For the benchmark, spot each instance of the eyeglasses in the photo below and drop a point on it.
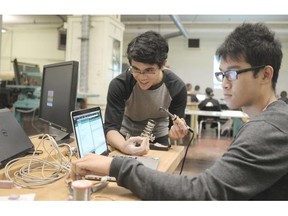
(147, 71)
(233, 74)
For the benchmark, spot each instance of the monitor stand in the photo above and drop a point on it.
(59, 136)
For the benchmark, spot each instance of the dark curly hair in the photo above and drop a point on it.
(149, 48)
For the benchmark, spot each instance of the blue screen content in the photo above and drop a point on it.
(90, 133)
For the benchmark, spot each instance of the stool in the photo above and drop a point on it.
(210, 120)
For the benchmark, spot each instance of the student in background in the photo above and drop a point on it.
(199, 95)
(136, 95)
(191, 96)
(283, 96)
(254, 167)
(189, 88)
(209, 104)
(196, 89)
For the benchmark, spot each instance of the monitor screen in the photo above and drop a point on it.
(58, 97)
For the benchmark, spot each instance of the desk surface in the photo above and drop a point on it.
(169, 160)
(224, 113)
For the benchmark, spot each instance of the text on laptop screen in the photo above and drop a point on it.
(90, 133)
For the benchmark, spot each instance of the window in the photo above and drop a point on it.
(216, 64)
(62, 34)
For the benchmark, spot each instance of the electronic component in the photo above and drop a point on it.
(147, 132)
(100, 178)
(81, 190)
(158, 146)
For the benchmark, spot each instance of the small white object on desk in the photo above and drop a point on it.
(18, 197)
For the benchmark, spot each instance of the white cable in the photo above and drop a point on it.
(35, 172)
(32, 121)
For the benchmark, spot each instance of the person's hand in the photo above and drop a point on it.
(90, 164)
(136, 146)
(178, 130)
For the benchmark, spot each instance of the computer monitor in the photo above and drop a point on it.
(58, 98)
(201, 97)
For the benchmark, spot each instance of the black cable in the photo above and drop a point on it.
(175, 118)
(188, 145)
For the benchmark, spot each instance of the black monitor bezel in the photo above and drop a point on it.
(73, 96)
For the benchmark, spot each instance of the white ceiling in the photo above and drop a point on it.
(129, 19)
(156, 19)
(201, 25)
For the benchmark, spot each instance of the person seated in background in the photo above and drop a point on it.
(189, 88)
(191, 96)
(283, 96)
(209, 104)
(196, 89)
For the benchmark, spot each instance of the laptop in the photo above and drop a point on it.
(14, 142)
(90, 137)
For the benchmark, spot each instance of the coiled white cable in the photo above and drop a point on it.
(36, 172)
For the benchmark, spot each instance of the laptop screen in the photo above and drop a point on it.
(89, 131)
(90, 137)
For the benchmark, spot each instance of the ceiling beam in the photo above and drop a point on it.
(178, 23)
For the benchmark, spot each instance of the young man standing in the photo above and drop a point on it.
(255, 165)
(136, 95)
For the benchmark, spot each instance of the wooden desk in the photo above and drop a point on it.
(169, 160)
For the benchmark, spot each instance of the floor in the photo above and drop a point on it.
(201, 154)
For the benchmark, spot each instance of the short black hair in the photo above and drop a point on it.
(283, 94)
(149, 48)
(209, 92)
(255, 44)
(197, 88)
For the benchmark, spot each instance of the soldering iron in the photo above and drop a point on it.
(175, 118)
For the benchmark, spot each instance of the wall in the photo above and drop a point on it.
(195, 65)
(104, 30)
(36, 44)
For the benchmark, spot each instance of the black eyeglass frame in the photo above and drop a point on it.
(148, 71)
(234, 76)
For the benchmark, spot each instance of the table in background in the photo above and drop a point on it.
(169, 161)
(193, 118)
(221, 114)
